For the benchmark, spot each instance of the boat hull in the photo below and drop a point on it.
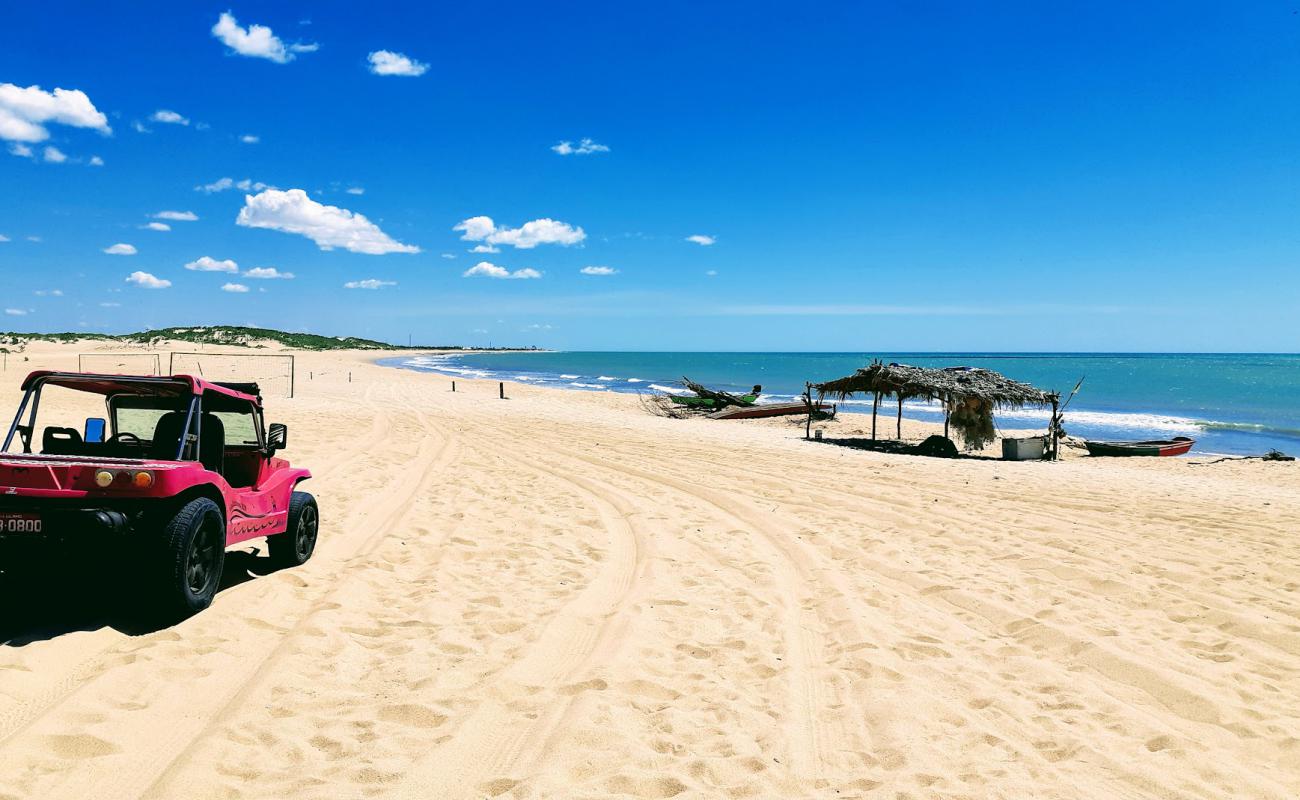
(767, 410)
(1177, 446)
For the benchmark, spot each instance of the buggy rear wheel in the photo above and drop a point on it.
(293, 547)
(195, 542)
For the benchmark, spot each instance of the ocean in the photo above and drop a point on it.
(1232, 404)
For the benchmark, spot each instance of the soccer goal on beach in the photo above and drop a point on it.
(120, 363)
(273, 372)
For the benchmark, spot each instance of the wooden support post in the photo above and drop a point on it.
(947, 414)
(875, 406)
(453, 386)
(900, 417)
(502, 387)
(1053, 431)
(807, 398)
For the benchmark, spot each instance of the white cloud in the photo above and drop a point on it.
(268, 273)
(598, 271)
(147, 281)
(484, 269)
(386, 62)
(329, 227)
(584, 147)
(139, 127)
(54, 155)
(249, 138)
(169, 117)
(711, 273)
(475, 228)
(48, 292)
(20, 150)
(157, 226)
(525, 237)
(236, 288)
(16, 312)
(355, 190)
(222, 184)
(177, 216)
(448, 256)
(96, 161)
(256, 41)
(110, 305)
(369, 283)
(485, 248)
(120, 249)
(25, 112)
(4, 238)
(210, 264)
(701, 239)
(36, 239)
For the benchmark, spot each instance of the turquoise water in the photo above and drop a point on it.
(1230, 403)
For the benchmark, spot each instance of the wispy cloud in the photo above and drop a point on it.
(235, 288)
(147, 280)
(120, 249)
(256, 41)
(24, 112)
(525, 237)
(249, 138)
(268, 273)
(386, 62)
(16, 312)
(368, 283)
(210, 264)
(177, 216)
(701, 239)
(223, 184)
(329, 227)
(485, 269)
(598, 271)
(583, 147)
(54, 155)
(169, 117)
(156, 226)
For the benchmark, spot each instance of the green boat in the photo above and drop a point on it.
(709, 399)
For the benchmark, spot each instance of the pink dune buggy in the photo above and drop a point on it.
(177, 470)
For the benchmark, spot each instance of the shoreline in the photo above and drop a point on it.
(1214, 438)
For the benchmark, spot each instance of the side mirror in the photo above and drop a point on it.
(277, 437)
(94, 430)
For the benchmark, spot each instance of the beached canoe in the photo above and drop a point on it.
(767, 410)
(1176, 446)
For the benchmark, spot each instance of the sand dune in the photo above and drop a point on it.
(559, 595)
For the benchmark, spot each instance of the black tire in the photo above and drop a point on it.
(293, 547)
(195, 542)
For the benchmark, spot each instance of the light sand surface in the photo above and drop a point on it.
(561, 596)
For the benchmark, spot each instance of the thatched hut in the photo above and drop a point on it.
(969, 393)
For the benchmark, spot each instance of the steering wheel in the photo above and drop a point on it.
(127, 439)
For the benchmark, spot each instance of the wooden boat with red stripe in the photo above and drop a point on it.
(768, 410)
(1177, 446)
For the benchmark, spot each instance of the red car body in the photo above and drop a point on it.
(127, 485)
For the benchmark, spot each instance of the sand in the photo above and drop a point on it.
(558, 595)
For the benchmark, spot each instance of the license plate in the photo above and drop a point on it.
(19, 522)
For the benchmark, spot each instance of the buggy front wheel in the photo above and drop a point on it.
(293, 547)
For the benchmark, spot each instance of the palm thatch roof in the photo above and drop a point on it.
(951, 383)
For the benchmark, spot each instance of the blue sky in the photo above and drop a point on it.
(908, 176)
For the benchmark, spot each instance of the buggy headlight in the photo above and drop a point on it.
(103, 479)
(142, 479)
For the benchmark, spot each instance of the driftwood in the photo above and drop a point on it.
(1271, 455)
